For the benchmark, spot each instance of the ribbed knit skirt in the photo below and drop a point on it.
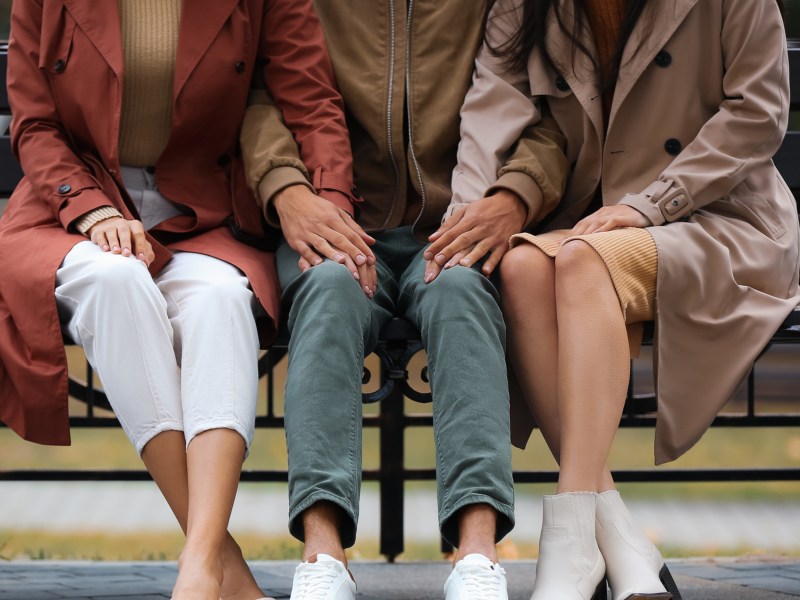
(631, 256)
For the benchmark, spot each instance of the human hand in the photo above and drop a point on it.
(480, 228)
(316, 229)
(608, 218)
(120, 236)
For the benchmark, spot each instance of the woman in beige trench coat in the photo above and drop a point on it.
(673, 211)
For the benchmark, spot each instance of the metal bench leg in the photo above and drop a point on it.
(391, 477)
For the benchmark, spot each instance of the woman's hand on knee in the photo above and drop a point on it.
(120, 236)
(609, 218)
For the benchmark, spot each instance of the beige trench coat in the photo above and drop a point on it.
(698, 112)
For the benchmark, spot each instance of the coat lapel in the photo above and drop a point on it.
(580, 72)
(200, 23)
(100, 22)
(640, 50)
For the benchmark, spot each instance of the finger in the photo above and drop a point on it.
(345, 242)
(365, 279)
(124, 234)
(140, 243)
(454, 220)
(113, 240)
(351, 223)
(352, 267)
(456, 259)
(303, 264)
(99, 238)
(307, 252)
(494, 258)
(477, 253)
(432, 271)
(449, 231)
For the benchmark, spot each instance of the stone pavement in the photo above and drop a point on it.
(698, 579)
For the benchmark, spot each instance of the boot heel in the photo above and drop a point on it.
(666, 578)
(601, 592)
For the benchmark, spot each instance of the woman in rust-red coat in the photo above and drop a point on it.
(127, 116)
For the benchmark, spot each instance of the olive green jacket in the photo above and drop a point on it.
(403, 68)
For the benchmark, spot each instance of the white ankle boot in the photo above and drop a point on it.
(634, 567)
(570, 566)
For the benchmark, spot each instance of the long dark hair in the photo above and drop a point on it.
(532, 32)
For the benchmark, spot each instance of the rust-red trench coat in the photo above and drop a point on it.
(65, 81)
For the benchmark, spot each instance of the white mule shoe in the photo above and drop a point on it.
(634, 567)
(570, 566)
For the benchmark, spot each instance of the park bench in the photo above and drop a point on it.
(399, 342)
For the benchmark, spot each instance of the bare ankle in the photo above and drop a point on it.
(477, 527)
(321, 524)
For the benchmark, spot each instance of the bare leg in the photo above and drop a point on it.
(477, 524)
(321, 527)
(529, 305)
(165, 458)
(593, 359)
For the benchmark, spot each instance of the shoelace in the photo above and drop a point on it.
(482, 582)
(315, 580)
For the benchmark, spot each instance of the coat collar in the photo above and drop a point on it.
(640, 50)
(579, 73)
(639, 54)
(100, 22)
(200, 24)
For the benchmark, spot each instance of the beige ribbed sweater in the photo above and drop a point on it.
(150, 43)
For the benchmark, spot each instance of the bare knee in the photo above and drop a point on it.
(579, 270)
(526, 271)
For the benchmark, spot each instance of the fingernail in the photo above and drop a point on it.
(466, 262)
(105, 248)
(140, 256)
(428, 277)
(355, 274)
(440, 258)
(126, 252)
(115, 249)
(360, 259)
(427, 255)
(449, 264)
(317, 261)
(367, 291)
(338, 258)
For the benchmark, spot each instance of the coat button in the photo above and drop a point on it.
(64, 189)
(562, 84)
(673, 147)
(224, 160)
(663, 59)
(239, 66)
(59, 65)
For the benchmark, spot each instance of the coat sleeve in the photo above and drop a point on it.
(747, 129)
(299, 76)
(38, 137)
(507, 140)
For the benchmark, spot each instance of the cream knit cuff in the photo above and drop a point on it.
(84, 224)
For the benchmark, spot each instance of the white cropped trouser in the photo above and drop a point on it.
(174, 352)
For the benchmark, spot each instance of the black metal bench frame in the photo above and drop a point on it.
(399, 342)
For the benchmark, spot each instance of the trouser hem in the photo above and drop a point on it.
(448, 523)
(347, 528)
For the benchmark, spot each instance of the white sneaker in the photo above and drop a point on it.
(475, 577)
(322, 578)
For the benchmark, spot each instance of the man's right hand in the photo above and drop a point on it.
(316, 229)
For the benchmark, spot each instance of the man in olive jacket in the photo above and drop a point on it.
(403, 69)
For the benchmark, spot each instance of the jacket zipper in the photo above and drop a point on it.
(389, 105)
(422, 193)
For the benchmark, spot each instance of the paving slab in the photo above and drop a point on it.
(698, 579)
